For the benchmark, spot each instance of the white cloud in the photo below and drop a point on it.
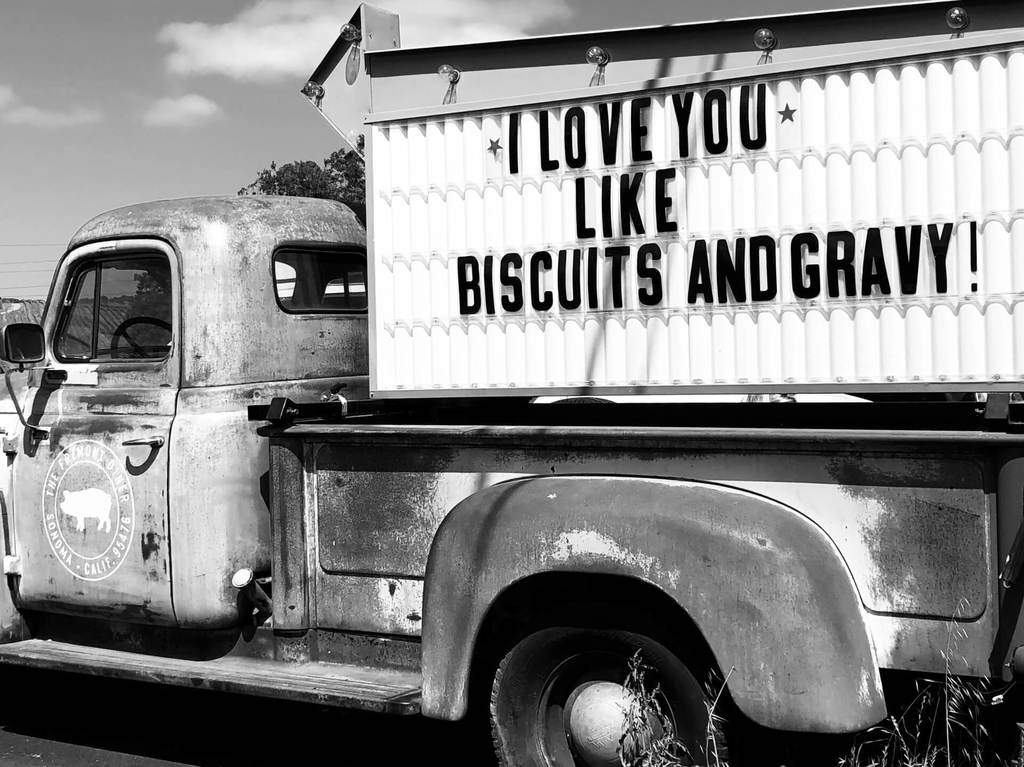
(279, 39)
(37, 117)
(185, 111)
(14, 111)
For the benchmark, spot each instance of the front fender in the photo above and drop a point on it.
(767, 588)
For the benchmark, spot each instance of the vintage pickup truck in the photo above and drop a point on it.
(451, 546)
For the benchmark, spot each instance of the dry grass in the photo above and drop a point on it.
(946, 723)
(650, 738)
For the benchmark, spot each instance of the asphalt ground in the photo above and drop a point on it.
(68, 720)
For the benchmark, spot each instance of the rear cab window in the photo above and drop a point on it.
(320, 280)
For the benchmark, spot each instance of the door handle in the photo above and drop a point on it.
(153, 442)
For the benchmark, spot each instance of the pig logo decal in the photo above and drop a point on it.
(88, 510)
(87, 504)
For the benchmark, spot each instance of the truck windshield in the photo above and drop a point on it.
(117, 309)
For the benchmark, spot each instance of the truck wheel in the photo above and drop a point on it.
(558, 700)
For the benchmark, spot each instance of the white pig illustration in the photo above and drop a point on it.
(87, 504)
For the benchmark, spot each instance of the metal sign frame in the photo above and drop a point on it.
(802, 31)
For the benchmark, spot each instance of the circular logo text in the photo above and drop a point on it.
(88, 510)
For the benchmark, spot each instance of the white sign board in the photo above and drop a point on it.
(846, 229)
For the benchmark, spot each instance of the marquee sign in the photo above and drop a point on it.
(844, 229)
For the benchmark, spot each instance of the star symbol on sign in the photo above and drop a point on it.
(494, 148)
(787, 113)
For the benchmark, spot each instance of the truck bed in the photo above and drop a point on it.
(898, 489)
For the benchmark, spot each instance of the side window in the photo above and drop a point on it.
(308, 281)
(117, 309)
(75, 338)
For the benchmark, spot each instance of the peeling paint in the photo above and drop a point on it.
(378, 605)
(575, 543)
(150, 545)
(867, 685)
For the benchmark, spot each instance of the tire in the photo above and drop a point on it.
(540, 679)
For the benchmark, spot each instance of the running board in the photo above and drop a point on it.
(332, 684)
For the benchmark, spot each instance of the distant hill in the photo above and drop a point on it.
(20, 310)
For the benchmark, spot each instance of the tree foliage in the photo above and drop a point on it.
(342, 177)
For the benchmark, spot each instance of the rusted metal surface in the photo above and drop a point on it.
(116, 564)
(222, 511)
(909, 523)
(768, 589)
(395, 498)
(385, 605)
(377, 651)
(329, 646)
(90, 514)
(922, 526)
(206, 487)
(288, 528)
(891, 514)
(910, 643)
(396, 514)
(232, 332)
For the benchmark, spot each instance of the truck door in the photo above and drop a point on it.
(90, 501)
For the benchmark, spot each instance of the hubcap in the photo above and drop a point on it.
(597, 720)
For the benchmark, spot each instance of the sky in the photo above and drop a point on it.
(105, 103)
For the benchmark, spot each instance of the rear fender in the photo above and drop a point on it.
(769, 591)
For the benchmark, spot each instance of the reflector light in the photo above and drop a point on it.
(765, 39)
(958, 20)
(599, 57)
(351, 33)
(452, 76)
(766, 42)
(314, 92)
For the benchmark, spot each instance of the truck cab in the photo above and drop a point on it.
(139, 487)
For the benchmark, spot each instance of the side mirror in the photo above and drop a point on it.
(22, 343)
